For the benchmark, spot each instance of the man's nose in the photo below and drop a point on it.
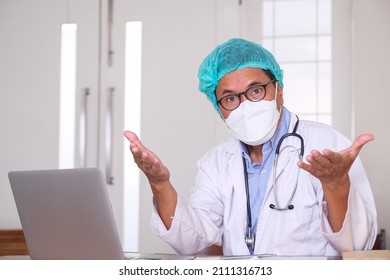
(243, 97)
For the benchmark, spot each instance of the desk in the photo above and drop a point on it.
(367, 255)
(350, 255)
(12, 242)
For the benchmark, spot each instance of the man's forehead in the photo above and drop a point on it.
(241, 79)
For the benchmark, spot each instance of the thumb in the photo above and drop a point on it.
(132, 137)
(360, 141)
(358, 144)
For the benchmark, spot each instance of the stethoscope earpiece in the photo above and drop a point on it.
(272, 206)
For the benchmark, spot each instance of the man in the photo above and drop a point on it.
(254, 194)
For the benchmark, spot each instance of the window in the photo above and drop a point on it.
(298, 33)
(67, 96)
(132, 120)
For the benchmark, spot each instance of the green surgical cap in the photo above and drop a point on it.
(235, 54)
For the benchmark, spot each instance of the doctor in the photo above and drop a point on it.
(254, 194)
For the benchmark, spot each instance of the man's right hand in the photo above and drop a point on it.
(164, 194)
(147, 161)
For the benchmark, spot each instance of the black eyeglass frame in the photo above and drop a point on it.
(245, 94)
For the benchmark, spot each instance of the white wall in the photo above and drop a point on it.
(28, 109)
(371, 60)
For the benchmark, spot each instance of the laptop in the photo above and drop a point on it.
(66, 214)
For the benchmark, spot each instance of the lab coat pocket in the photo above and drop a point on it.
(297, 231)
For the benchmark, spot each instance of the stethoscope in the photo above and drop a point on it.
(249, 237)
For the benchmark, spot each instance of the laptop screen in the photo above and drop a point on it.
(66, 214)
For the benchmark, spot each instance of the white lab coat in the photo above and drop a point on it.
(215, 211)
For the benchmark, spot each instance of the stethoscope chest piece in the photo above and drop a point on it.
(250, 239)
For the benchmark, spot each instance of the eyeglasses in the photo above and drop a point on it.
(254, 94)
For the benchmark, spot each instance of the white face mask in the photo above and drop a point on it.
(254, 123)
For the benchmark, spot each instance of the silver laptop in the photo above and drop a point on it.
(66, 214)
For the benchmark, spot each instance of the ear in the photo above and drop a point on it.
(280, 95)
(280, 100)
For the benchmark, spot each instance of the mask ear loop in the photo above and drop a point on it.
(276, 96)
(276, 89)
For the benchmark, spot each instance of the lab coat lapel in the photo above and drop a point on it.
(236, 171)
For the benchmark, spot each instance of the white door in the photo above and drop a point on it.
(30, 80)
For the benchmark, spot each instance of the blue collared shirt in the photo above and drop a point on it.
(258, 173)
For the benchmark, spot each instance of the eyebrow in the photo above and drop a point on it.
(252, 84)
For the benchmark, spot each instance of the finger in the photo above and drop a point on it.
(332, 156)
(316, 163)
(147, 158)
(144, 161)
(307, 167)
(137, 152)
(153, 168)
(136, 146)
(303, 165)
(157, 166)
(317, 159)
